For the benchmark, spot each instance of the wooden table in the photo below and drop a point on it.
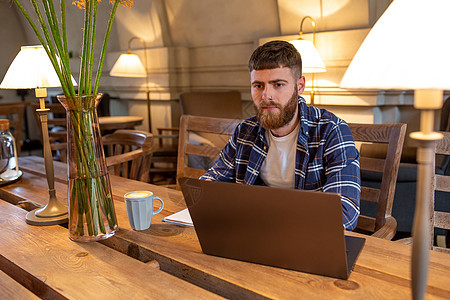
(119, 122)
(381, 271)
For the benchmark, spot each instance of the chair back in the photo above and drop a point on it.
(128, 153)
(445, 116)
(392, 136)
(15, 113)
(194, 151)
(441, 219)
(212, 104)
(207, 104)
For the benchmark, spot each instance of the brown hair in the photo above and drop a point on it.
(275, 54)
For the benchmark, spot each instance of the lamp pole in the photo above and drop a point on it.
(147, 87)
(54, 212)
(426, 101)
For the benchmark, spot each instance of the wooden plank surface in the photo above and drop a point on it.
(12, 290)
(43, 259)
(382, 270)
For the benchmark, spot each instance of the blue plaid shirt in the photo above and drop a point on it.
(326, 158)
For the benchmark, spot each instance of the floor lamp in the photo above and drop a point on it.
(311, 60)
(407, 49)
(129, 65)
(32, 69)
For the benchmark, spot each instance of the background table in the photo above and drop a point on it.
(119, 122)
(381, 271)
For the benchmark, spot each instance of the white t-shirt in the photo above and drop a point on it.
(278, 169)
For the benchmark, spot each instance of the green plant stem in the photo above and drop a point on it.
(79, 229)
(63, 54)
(81, 81)
(105, 46)
(92, 39)
(45, 30)
(87, 54)
(64, 31)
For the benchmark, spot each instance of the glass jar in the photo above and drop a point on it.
(92, 216)
(9, 167)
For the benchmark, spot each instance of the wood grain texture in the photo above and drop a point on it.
(393, 135)
(381, 271)
(443, 145)
(44, 260)
(372, 164)
(441, 183)
(12, 290)
(212, 126)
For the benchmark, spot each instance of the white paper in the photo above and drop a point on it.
(181, 218)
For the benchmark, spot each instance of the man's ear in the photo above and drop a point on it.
(301, 85)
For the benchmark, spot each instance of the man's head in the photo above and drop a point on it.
(276, 82)
(275, 54)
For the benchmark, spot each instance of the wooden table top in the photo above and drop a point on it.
(381, 271)
(119, 122)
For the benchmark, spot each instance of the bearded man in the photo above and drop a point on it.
(289, 144)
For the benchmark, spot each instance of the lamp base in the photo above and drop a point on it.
(32, 219)
(10, 179)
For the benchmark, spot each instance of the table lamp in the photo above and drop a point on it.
(129, 65)
(311, 60)
(32, 69)
(408, 49)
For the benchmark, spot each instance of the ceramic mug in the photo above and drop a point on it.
(139, 206)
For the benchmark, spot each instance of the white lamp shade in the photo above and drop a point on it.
(311, 60)
(31, 69)
(408, 48)
(128, 65)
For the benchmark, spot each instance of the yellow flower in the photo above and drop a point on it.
(82, 3)
(126, 3)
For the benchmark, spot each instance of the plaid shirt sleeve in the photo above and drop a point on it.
(342, 171)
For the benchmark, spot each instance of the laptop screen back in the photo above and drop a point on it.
(292, 229)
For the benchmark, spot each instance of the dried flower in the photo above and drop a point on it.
(126, 3)
(82, 3)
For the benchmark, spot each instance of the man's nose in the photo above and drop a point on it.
(267, 93)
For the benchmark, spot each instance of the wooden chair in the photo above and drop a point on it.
(188, 151)
(438, 219)
(164, 152)
(15, 113)
(216, 104)
(382, 225)
(213, 104)
(129, 153)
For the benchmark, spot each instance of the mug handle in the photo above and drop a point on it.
(160, 207)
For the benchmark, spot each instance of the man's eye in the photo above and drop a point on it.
(279, 84)
(257, 86)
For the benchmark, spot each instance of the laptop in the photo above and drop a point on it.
(291, 229)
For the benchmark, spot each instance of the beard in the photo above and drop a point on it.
(274, 119)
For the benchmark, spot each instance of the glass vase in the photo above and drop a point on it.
(91, 208)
